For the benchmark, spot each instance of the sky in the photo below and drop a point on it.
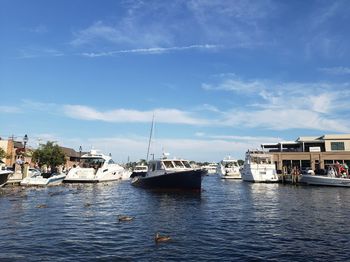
(220, 76)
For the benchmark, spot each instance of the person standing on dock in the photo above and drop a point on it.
(295, 175)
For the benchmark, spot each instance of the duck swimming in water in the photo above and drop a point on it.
(124, 218)
(41, 206)
(158, 238)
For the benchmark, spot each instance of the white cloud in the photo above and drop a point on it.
(10, 109)
(340, 70)
(28, 53)
(176, 23)
(282, 106)
(153, 50)
(171, 116)
(40, 29)
(127, 31)
(285, 119)
(193, 149)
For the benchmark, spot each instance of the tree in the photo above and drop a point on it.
(2, 154)
(50, 155)
(240, 162)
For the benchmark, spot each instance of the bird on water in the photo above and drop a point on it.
(125, 218)
(158, 238)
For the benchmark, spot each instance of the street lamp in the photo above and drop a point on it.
(25, 141)
(80, 149)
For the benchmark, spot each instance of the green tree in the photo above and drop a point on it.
(240, 162)
(2, 154)
(50, 155)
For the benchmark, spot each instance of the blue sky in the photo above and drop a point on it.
(220, 76)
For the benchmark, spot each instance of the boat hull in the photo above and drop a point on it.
(324, 181)
(41, 181)
(4, 175)
(259, 174)
(89, 175)
(181, 180)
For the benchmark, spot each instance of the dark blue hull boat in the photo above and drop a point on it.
(180, 180)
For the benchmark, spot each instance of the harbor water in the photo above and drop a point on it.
(226, 221)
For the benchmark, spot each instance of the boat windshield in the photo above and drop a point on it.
(91, 162)
(178, 163)
(186, 164)
(230, 164)
(261, 160)
(140, 168)
(168, 164)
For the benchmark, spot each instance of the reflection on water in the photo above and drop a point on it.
(228, 220)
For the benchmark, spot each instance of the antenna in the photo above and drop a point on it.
(150, 138)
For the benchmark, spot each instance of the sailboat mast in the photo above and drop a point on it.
(150, 138)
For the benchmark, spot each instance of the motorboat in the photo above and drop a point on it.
(43, 179)
(126, 175)
(139, 170)
(95, 167)
(229, 169)
(4, 176)
(211, 168)
(332, 178)
(258, 167)
(170, 173)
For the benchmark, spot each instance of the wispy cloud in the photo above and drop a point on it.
(153, 50)
(40, 29)
(163, 24)
(339, 70)
(282, 106)
(29, 53)
(10, 109)
(171, 116)
(259, 139)
(135, 147)
(127, 31)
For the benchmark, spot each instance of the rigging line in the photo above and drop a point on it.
(150, 138)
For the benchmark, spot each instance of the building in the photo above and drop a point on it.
(14, 149)
(72, 156)
(311, 152)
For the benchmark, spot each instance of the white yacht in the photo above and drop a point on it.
(95, 167)
(211, 168)
(38, 179)
(258, 167)
(229, 169)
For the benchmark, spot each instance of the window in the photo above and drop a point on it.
(186, 164)
(168, 164)
(178, 164)
(337, 146)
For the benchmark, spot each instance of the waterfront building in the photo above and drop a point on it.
(311, 152)
(14, 150)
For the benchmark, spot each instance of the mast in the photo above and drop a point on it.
(150, 138)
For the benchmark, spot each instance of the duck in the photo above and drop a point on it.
(41, 206)
(124, 218)
(158, 238)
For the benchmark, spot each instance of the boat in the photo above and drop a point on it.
(139, 170)
(43, 179)
(173, 174)
(332, 178)
(258, 167)
(211, 168)
(4, 176)
(95, 167)
(229, 169)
